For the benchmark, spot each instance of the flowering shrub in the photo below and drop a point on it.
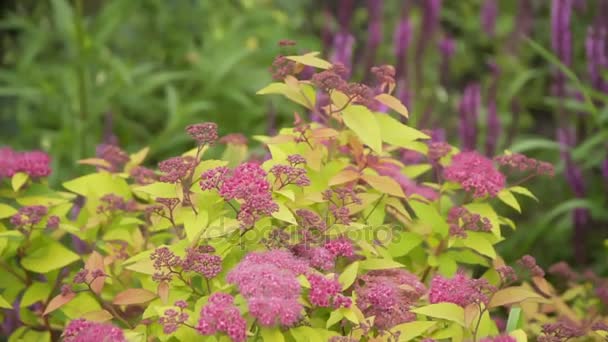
(355, 227)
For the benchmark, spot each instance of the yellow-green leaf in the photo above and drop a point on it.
(363, 122)
(4, 304)
(6, 211)
(334, 318)
(284, 214)
(272, 334)
(513, 295)
(310, 59)
(48, 257)
(36, 292)
(507, 198)
(410, 330)
(348, 276)
(396, 133)
(385, 185)
(523, 191)
(447, 311)
(380, 264)
(221, 227)
(18, 180)
(519, 335)
(339, 99)
(287, 91)
(194, 224)
(392, 103)
(133, 296)
(478, 242)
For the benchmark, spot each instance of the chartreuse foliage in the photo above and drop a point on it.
(372, 249)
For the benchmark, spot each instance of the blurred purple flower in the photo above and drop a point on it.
(489, 13)
(561, 38)
(493, 125)
(430, 22)
(469, 112)
(595, 46)
(401, 41)
(374, 33)
(447, 47)
(524, 23)
(343, 49)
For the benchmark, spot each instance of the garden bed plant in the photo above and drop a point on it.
(354, 227)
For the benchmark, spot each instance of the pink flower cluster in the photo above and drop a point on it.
(203, 133)
(111, 203)
(34, 163)
(475, 173)
(268, 282)
(246, 183)
(114, 155)
(176, 169)
(142, 175)
(338, 199)
(460, 290)
(220, 315)
(81, 330)
(172, 318)
(340, 247)
(438, 150)
(460, 220)
(388, 295)
(522, 163)
(317, 257)
(198, 260)
(29, 215)
(529, 262)
(326, 292)
(290, 174)
(310, 220)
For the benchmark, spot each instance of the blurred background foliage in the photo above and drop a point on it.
(73, 73)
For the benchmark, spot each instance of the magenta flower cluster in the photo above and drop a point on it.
(460, 220)
(29, 215)
(198, 260)
(460, 290)
(34, 163)
(325, 292)
(290, 174)
(475, 173)
(172, 318)
(81, 330)
(268, 281)
(388, 295)
(220, 315)
(176, 169)
(246, 183)
(522, 163)
(203, 133)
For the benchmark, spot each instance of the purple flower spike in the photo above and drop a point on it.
(447, 47)
(595, 46)
(374, 32)
(494, 126)
(489, 12)
(401, 41)
(469, 112)
(430, 22)
(561, 38)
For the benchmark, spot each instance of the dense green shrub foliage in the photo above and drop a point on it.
(328, 238)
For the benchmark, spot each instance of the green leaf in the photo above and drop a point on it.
(194, 224)
(18, 180)
(287, 91)
(334, 318)
(348, 276)
(406, 241)
(4, 304)
(385, 185)
(523, 191)
(428, 215)
(479, 242)
(485, 210)
(272, 334)
(379, 264)
(49, 256)
(447, 311)
(515, 319)
(363, 122)
(396, 133)
(513, 295)
(36, 292)
(507, 198)
(159, 189)
(519, 335)
(310, 59)
(392, 103)
(410, 330)
(99, 184)
(305, 333)
(284, 214)
(6, 211)
(221, 227)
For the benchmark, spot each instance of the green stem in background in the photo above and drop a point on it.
(82, 81)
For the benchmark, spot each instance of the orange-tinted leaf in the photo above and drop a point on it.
(512, 295)
(163, 291)
(98, 316)
(280, 139)
(543, 285)
(95, 162)
(57, 302)
(393, 103)
(324, 133)
(95, 262)
(133, 296)
(385, 185)
(344, 176)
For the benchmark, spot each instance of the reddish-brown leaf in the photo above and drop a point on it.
(163, 291)
(95, 262)
(134, 296)
(57, 302)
